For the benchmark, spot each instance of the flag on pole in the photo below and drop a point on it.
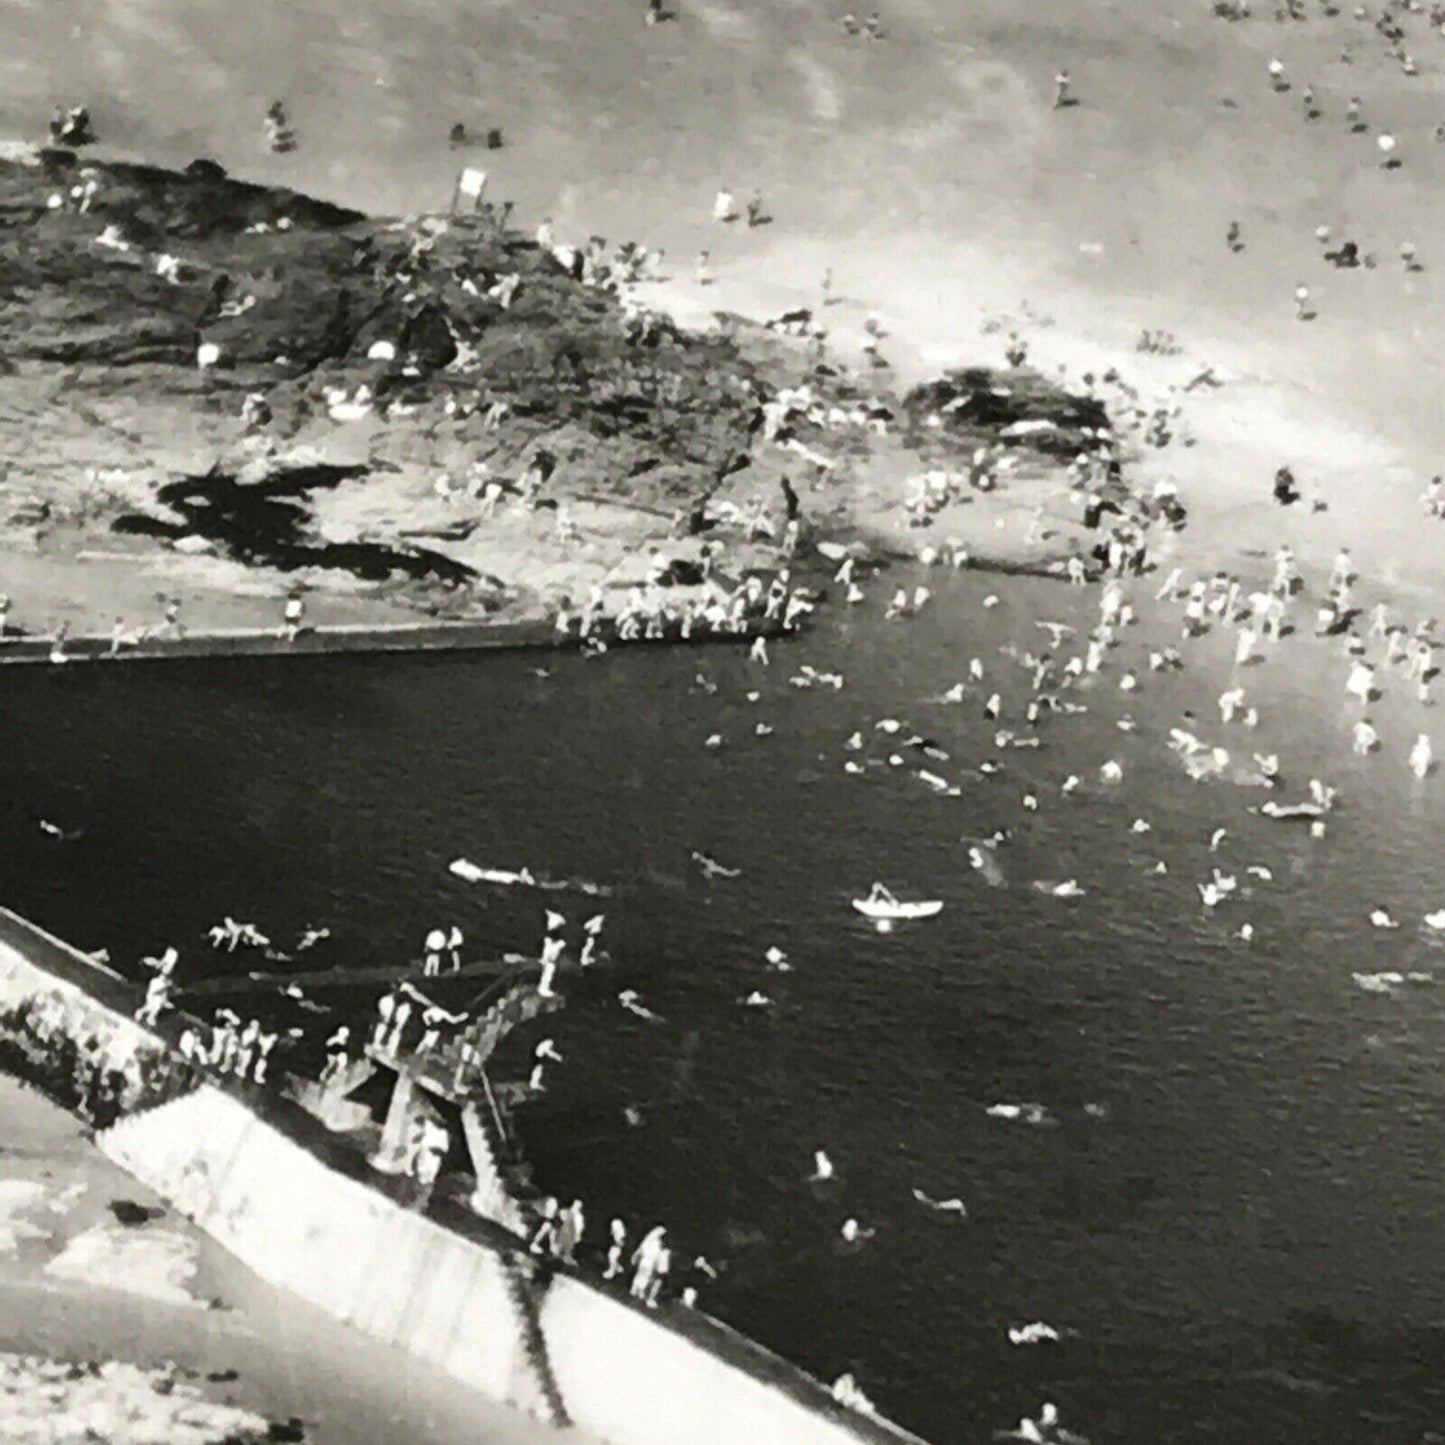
(470, 185)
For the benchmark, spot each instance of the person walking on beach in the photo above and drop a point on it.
(1061, 90)
(1286, 575)
(1342, 572)
(702, 269)
(1360, 684)
(724, 207)
(1422, 756)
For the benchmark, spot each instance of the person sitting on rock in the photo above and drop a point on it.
(71, 127)
(1285, 491)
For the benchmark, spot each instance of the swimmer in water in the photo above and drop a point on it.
(630, 1000)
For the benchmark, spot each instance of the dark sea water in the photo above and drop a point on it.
(1244, 1240)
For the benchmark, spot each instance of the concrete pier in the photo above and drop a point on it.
(302, 1208)
(451, 636)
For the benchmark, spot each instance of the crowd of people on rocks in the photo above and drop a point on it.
(649, 612)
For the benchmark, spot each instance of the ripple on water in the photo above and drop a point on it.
(1266, 1134)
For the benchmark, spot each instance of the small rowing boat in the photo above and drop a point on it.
(881, 904)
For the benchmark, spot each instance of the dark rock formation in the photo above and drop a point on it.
(979, 402)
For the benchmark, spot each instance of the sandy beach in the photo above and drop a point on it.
(926, 169)
(969, 214)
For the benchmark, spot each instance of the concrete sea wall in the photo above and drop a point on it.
(365, 1260)
(469, 1302)
(478, 636)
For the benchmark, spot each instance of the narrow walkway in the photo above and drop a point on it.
(358, 638)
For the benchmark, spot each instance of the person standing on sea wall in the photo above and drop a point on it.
(645, 1259)
(544, 1238)
(435, 1141)
(336, 1050)
(570, 1225)
(593, 929)
(292, 616)
(662, 1264)
(614, 1250)
(385, 1007)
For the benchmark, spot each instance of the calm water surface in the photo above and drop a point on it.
(1245, 1242)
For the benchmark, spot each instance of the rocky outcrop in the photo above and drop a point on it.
(434, 415)
(109, 266)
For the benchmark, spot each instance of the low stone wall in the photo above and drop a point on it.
(558, 1347)
(628, 1375)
